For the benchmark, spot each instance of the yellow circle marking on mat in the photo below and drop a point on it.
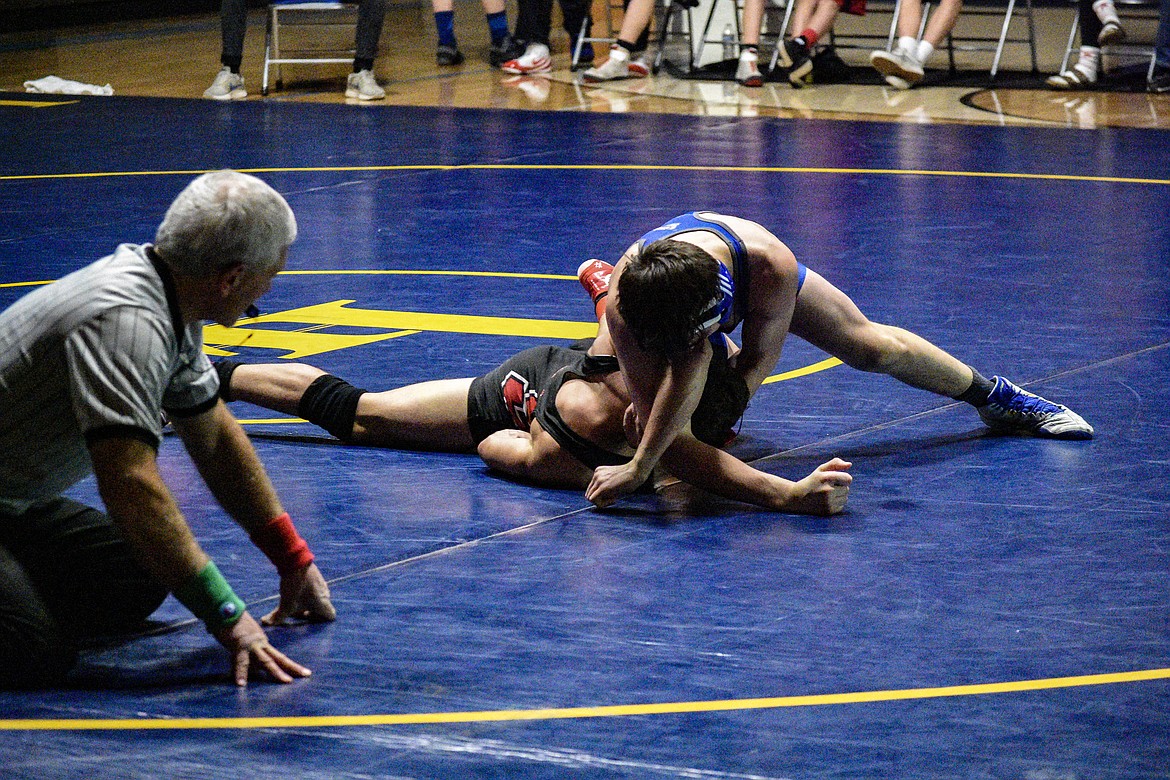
(793, 374)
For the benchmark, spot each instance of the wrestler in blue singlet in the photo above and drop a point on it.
(735, 291)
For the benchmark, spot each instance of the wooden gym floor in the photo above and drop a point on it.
(177, 57)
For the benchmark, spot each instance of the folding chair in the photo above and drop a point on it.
(1127, 9)
(611, 30)
(297, 13)
(670, 15)
(676, 20)
(997, 44)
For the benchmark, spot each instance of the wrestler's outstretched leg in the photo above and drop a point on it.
(428, 415)
(828, 319)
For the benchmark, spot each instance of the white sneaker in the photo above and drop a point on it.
(901, 69)
(616, 67)
(535, 59)
(1111, 33)
(1076, 77)
(227, 86)
(639, 67)
(748, 70)
(363, 86)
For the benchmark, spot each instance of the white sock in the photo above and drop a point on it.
(619, 53)
(1106, 12)
(907, 45)
(747, 55)
(925, 49)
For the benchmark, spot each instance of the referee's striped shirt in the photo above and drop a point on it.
(98, 353)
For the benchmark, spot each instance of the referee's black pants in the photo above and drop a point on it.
(66, 576)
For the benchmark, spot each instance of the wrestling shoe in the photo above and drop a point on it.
(594, 277)
(363, 86)
(747, 72)
(901, 69)
(797, 58)
(1161, 81)
(1075, 77)
(1111, 34)
(536, 59)
(227, 86)
(1011, 409)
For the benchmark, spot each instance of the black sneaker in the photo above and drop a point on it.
(448, 55)
(1161, 81)
(507, 49)
(796, 57)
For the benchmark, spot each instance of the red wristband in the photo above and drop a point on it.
(279, 540)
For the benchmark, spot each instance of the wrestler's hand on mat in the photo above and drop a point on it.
(610, 483)
(822, 492)
(304, 595)
(250, 651)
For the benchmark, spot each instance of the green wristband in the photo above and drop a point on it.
(211, 599)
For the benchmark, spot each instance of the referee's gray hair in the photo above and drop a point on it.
(224, 218)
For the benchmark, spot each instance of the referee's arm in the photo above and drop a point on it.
(229, 465)
(236, 477)
(141, 505)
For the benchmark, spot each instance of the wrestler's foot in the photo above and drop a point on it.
(1012, 409)
(748, 71)
(594, 277)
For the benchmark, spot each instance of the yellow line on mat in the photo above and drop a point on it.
(798, 372)
(620, 710)
(694, 168)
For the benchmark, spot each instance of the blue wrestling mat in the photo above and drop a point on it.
(987, 606)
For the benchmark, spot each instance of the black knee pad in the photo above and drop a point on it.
(224, 369)
(332, 404)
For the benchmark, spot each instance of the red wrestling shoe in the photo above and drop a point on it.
(594, 277)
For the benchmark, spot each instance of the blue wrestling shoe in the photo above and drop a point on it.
(1011, 409)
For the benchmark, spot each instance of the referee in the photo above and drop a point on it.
(88, 365)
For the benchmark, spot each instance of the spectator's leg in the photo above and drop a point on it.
(233, 21)
(371, 16)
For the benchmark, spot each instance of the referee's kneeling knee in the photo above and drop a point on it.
(31, 660)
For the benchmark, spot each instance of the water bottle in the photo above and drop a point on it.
(728, 43)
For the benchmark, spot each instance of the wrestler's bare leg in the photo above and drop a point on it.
(429, 415)
(828, 319)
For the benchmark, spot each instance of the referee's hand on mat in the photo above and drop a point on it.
(250, 651)
(304, 595)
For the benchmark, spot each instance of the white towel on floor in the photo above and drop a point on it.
(52, 85)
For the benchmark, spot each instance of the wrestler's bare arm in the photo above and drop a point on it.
(533, 457)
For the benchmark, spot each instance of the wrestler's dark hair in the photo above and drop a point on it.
(664, 293)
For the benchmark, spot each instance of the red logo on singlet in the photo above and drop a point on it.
(521, 400)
